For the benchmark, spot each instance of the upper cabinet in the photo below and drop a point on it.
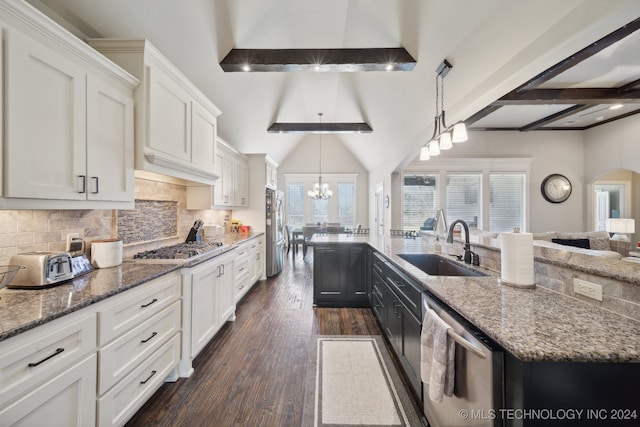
(272, 173)
(176, 124)
(232, 187)
(68, 116)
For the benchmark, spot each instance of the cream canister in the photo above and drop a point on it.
(106, 253)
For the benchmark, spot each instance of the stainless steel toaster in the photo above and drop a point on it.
(42, 269)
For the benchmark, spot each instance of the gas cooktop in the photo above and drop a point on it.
(182, 252)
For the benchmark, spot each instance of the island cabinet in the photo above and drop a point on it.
(403, 321)
(339, 275)
(570, 393)
(68, 117)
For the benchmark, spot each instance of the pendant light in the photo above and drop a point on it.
(320, 190)
(443, 136)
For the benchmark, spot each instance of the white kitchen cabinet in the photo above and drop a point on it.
(257, 255)
(69, 119)
(249, 266)
(176, 124)
(271, 178)
(48, 374)
(231, 189)
(67, 400)
(139, 346)
(208, 302)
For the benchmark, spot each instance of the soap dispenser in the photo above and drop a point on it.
(437, 247)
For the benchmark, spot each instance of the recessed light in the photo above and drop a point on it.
(599, 118)
(616, 106)
(246, 67)
(389, 67)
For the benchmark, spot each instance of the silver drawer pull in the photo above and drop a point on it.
(148, 304)
(149, 339)
(466, 344)
(149, 377)
(55, 353)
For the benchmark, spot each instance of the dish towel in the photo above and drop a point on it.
(437, 365)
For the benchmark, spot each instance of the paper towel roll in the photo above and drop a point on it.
(517, 259)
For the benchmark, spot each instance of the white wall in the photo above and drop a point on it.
(335, 159)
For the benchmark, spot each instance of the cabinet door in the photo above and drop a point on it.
(66, 400)
(241, 184)
(228, 172)
(169, 117)
(410, 356)
(393, 318)
(226, 295)
(204, 311)
(330, 265)
(203, 138)
(259, 258)
(356, 274)
(219, 166)
(45, 144)
(109, 142)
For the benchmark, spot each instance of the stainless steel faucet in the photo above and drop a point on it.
(470, 257)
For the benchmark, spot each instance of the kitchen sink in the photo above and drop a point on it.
(436, 265)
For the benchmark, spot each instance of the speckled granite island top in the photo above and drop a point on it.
(532, 324)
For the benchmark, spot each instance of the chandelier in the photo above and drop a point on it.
(443, 135)
(320, 190)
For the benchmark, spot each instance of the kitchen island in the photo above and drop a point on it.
(559, 352)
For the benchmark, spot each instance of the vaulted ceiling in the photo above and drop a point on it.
(499, 49)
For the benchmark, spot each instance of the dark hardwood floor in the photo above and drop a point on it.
(253, 372)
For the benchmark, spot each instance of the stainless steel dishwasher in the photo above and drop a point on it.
(478, 394)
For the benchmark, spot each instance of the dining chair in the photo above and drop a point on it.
(295, 239)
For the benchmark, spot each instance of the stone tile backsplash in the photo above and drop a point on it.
(46, 230)
(149, 221)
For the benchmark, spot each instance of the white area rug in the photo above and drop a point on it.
(351, 380)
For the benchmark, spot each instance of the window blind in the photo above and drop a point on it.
(463, 198)
(346, 200)
(419, 200)
(506, 201)
(295, 204)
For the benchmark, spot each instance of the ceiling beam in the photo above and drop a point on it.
(319, 128)
(592, 96)
(581, 55)
(554, 117)
(318, 60)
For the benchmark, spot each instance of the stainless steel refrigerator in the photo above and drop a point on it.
(274, 231)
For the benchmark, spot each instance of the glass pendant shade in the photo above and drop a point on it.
(445, 141)
(459, 132)
(434, 148)
(424, 153)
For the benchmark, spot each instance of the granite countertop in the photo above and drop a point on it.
(21, 310)
(532, 324)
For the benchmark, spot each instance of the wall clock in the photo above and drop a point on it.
(556, 188)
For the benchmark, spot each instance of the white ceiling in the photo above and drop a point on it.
(494, 46)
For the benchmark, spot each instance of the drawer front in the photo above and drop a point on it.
(137, 305)
(242, 252)
(123, 354)
(35, 356)
(378, 263)
(67, 399)
(409, 293)
(242, 268)
(123, 400)
(377, 284)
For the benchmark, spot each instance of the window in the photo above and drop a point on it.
(346, 204)
(419, 200)
(463, 195)
(488, 193)
(506, 201)
(295, 204)
(340, 208)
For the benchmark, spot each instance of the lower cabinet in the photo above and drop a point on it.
(66, 400)
(396, 303)
(139, 346)
(208, 302)
(339, 276)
